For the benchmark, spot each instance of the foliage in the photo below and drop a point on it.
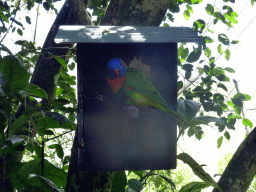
(40, 124)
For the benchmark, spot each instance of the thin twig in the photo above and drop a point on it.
(11, 22)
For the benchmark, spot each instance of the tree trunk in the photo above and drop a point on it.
(241, 169)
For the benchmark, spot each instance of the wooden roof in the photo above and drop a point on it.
(124, 34)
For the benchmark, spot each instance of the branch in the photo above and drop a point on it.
(239, 180)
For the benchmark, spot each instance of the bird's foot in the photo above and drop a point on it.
(132, 110)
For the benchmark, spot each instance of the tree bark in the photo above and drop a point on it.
(135, 13)
(241, 169)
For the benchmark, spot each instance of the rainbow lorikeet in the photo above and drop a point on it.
(135, 88)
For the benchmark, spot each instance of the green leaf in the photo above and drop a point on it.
(237, 102)
(194, 55)
(163, 177)
(17, 22)
(166, 25)
(227, 54)
(199, 26)
(196, 1)
(243, 97)
(174, 7)
(191, 131)
(17, 125)
(135, 184)
(247, 122)
(188, 67)
(230, 70)
(51, 172)
(194, 187)
(43, 131)
(66, 160)
(188, 108)
(59, 150)
(219, 141)
(56, 120)
(46, 184)
(222, 86)
(206, 120)
(208, 39)
(220, 49)
(60, 60)
(189, 8)
(237, 109)
(46, 6)
(188, 74)
(222, 77)
(252, 2)
(198, 170)
(235, 42)
(170, 17)
(179, 85)
(186, 15)
(19, 32)
(209, 9)
(223, 39)
(180, 50)
(184, 55)
(28, 20)
(208, 52)
(119, 181)
(36, 91)
(226, 134)
(4, 17)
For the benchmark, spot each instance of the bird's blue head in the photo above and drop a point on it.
(116, 68)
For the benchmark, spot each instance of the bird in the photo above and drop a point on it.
(135, 89)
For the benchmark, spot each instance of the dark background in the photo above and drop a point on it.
(109, 138)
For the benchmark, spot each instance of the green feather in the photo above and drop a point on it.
(138, 90)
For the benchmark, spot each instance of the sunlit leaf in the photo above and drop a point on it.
(189, 8)
(223, 39)
(226, 134)
(219, 142)
(208, 52)
(227, 54)
(235, 42)
(247, 122)
(197, 169)
(209, 9)
(199, 26)
(184, 55)
(229, 69)
(186, 15)
(194, 187)
(220, 49)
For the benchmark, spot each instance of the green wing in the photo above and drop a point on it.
(139, 82)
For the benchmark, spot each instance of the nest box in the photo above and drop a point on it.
(112, 133)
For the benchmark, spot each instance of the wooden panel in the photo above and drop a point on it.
(109, 137)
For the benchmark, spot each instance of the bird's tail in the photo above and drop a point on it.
(172, 112)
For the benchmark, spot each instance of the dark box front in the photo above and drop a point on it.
(110, 137)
